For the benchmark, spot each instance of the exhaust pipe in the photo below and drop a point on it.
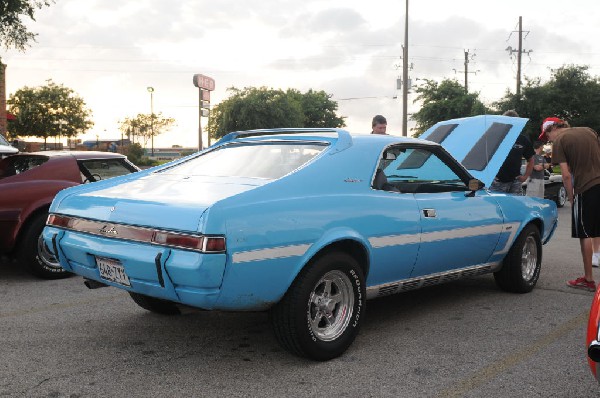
(92, 284)
(594, 351)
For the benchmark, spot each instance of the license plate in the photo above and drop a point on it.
(112, 270)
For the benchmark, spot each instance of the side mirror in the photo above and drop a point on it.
(475, 185)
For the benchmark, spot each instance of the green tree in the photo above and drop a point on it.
(318, 108)
(48, 111)
(443, 101)
(256, 108)
(571, 94)
(145, 125)
(13, 32)
(135, 152)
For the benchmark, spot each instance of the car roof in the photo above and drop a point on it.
(79, 155)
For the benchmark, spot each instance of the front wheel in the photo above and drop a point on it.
(521, 266)
(34, 254)
(321, 313)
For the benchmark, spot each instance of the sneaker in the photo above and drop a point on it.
(582, 283)
(595, 259)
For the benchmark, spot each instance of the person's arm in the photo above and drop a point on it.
(528, 170)
(567, 180)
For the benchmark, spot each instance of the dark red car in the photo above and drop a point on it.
(28, 183)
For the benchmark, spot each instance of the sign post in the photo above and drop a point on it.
(205, 85)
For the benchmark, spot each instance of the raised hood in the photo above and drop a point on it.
(156, 200)
(480, 143)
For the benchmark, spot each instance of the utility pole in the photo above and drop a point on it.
(466, 71)
(405, 77)
(519, 52)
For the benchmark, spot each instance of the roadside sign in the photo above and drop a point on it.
(205, 82)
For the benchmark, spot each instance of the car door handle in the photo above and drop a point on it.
(429, 213)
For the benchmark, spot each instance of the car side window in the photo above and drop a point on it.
(101, 169)
(417, 170)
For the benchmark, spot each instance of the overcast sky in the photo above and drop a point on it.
(110, 51)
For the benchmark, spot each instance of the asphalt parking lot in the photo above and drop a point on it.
(462, 339)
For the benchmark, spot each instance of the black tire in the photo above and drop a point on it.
(307, 322)
(561, 196)
(521, 266)
(33, 253)
(155, 305)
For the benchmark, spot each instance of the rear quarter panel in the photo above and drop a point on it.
(275, 230)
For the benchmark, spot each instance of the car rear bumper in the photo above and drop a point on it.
(183, 276)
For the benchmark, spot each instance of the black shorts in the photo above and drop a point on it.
(585, 215)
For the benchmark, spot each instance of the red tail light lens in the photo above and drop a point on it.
(59, 221)
(185, 241)
(214, 244)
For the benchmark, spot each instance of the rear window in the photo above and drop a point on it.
(13, 165)
(255, 160)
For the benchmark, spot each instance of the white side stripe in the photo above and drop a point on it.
(393, 240)
(270, 254)
(385, 241)
(398, 240)
(513, 231)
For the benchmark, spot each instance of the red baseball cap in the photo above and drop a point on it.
(549, 121)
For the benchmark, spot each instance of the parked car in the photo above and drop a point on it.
(553, 187)
(593, 336)
(308, 224)
(5, 148)
(28, 183)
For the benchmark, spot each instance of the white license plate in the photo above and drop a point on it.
(112, 270)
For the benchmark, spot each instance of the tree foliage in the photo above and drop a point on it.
(570, 94)
(443, 101)
(48, 111)
(145, 125)
(13, 32)
(256, 108)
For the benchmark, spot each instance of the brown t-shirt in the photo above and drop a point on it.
(579, 147)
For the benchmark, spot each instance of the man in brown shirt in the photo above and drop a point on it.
(577, 151)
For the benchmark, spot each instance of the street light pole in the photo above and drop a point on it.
(405, 77)
(151, 91)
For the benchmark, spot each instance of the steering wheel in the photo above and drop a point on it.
(97, 177)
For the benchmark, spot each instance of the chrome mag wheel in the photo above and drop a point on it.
(330, 306)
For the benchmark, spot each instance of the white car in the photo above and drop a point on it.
(5, 148)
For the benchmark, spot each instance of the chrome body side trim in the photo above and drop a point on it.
(429, 280)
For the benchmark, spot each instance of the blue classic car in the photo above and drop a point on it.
(308, 224)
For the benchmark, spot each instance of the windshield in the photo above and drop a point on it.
(255, 160)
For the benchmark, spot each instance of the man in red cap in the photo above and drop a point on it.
(577, 151)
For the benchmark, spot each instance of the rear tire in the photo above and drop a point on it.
(521, 267)
(34, 254)
(321, 313)
(152, 304)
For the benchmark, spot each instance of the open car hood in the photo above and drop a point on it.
(480, 143)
